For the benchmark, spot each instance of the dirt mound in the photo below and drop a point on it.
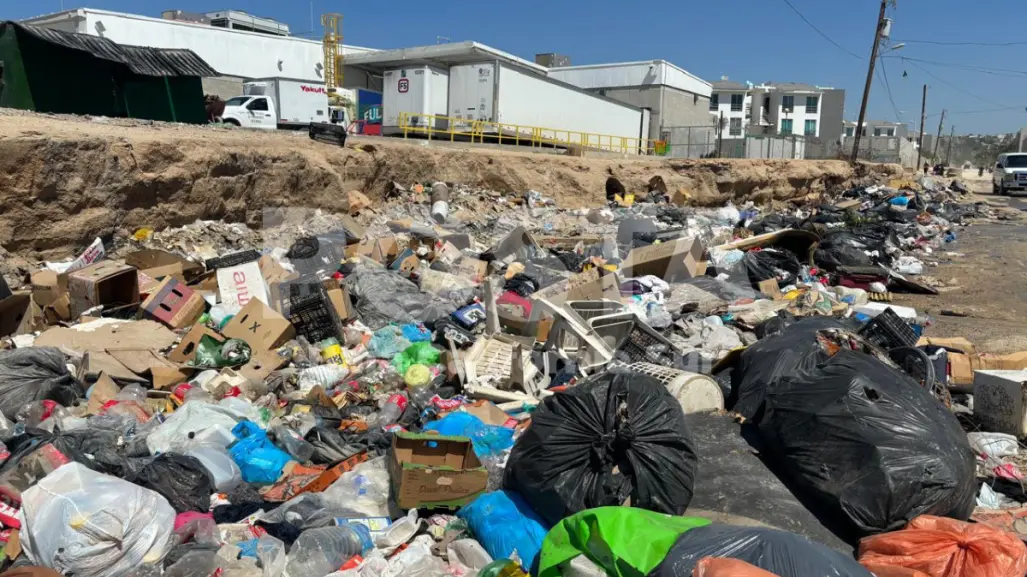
(65, 181)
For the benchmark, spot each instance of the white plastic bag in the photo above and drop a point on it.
(200, 422)
(364, 489)
(996, 445)
(81, 522)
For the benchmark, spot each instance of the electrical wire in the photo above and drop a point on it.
(962, 112)
(966, 67)
(821, 33)
(887, 88)
(953, 86)
(943, 43)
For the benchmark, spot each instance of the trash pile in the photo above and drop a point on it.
(470, 384)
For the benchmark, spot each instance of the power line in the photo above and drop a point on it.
(821, 33)
(943, 43)
(953, 86)
(887, 88)
(961, 112)
(992, 71)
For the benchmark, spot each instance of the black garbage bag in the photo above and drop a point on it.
(384, 297)
(768, 264)
(617, 435)
(182, 480)
(869, 442)
(791, 352)
(774, 325)
(847, 248)
(521, 284)
(35, 374)
(779, 552)
(773, 222)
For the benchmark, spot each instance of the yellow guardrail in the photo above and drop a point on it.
(451, 128)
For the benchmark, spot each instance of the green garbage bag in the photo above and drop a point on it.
(210, 354)
(419, 353)
(623, 541)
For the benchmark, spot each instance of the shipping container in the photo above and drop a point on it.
(501, 93)
(419, 91)
(297, 103)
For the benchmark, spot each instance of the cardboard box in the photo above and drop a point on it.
(476, 270)
(672, 260)
(174, 304)
(272, 271)
(262, 328)
(341, 302)
(19, 315)
(1000, 401)
(592, 284)
(186, 350)
(238, 285)
(104, 283)
(158, 264)
(50, 292)
(435, 471)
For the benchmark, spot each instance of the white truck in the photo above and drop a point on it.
(280, 103)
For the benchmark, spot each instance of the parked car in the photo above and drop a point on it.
(1010, 173)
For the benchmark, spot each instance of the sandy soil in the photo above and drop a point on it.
(988, 263)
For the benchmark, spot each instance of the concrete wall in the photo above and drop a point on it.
(832, 114)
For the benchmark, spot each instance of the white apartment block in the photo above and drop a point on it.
(778, 108)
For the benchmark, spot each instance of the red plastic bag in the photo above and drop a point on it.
(942, 547)
(720, 567)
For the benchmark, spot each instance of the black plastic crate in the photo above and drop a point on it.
(314, 317)
(234, 259)
(888, 331)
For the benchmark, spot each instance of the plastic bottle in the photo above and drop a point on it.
(221, 313)
(502, 568)
(418, 380)
(323, 550)
(392, 410)
(293, 443)
(331, 351)
(327, 376)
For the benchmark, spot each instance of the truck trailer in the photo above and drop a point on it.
(421, 92)
(500, 93)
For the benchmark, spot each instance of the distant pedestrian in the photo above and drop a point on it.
(926, 168)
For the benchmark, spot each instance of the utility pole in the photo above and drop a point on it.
(870, 78)
(952, 136)
(720, 134)
(938, 140)
(923, 118)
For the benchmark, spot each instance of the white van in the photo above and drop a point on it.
(1010, 173)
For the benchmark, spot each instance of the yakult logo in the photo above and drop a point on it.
(317, 89)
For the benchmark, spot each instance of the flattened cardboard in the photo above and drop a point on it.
(95, 363)
(158, 264)
(262, 328)
(104, 390)
(272, 271)
(261, 365)
(435, 471)
(770, 288)
(489, 413)
(238, 285)
(103, 283)
(186, 350)
(592, 284)
(117, 335)
(341, 302)
(476, 269)
(671, 260)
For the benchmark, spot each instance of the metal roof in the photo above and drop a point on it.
(439, 55)
(729, 85)
(140, 60)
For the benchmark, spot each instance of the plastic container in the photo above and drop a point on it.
(327, 376)
(888, 331)
(293, 443)
(234, 259)
(331, 351)
(222, 468)
(323, 550)
(696, 393)
(392, 410)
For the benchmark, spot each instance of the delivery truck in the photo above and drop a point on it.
(270, 103)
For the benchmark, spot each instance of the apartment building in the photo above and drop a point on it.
(877, 128)
(732, 101)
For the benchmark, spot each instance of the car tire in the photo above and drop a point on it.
(994, 189)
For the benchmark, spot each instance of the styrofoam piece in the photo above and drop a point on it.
(872, 309)
(1000, 401)
(696, 393)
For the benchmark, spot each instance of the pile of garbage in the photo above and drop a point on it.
(427, 390)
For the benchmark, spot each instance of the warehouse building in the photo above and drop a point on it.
(236, 54)
(677, 100)
(109, 79)
(470, 87)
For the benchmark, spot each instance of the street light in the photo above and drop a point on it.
(898, 46)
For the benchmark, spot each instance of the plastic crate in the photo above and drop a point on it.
(634, 341)
(234, 259)
(888, 331)
(313, 317)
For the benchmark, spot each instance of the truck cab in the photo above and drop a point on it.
(251, 112)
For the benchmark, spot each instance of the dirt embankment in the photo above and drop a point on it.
(65, 181)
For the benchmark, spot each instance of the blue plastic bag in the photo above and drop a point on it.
(258, 458)
(387, 342)
(415, 332)
(488, 440)
(503, 522)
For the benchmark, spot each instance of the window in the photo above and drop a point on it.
(737, 100)
(258, 104)
(1016, 161)
(890, 132)
(714, 102)
(736, 127)
(786, 126)
(849, 131)
(811, 128)
(788, 103)
(877, 132)
(811, 103)
(237, 101)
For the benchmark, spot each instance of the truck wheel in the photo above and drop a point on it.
(232, 122)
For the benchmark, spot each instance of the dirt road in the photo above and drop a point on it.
(988, 263)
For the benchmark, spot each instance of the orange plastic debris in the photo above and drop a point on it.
(941, 547)
(718, 567)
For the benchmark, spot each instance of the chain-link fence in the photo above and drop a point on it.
(689, 141)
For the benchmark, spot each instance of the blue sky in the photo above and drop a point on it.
(754, 40)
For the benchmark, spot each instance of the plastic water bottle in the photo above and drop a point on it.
(324, 549)
(293, 443)
(392, 410)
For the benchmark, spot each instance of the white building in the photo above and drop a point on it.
(732, 101)
(233, 53)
